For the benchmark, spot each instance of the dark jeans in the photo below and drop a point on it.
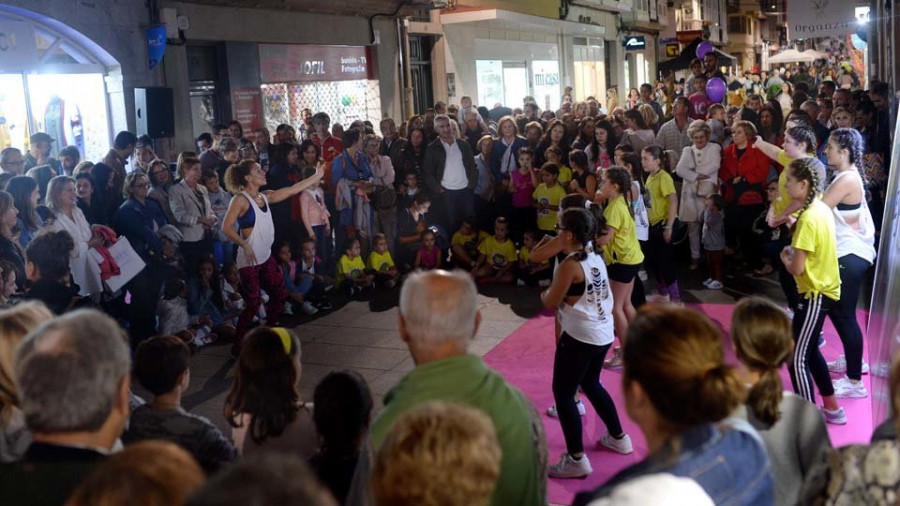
(145, 291)
(579, 364)
(323, 244)
(740, 221)
(808, 364)
(660, 257)
(843, 316)
(455, 205)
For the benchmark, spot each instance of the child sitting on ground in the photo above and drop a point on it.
(311, 270)
(498, 256)
(546, 198)
(232, 298)
(531, 273)
(464, 245)
(429, 255)
(174, 319)
(714, 240)
(351, 271)
(296, 291)
(162, 367)
(381, 264)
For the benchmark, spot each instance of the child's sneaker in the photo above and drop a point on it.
(544, 283)
(568, 467)
(715, 285)
(288, 309)
(836, 417)
(390, 284)
(308, 309)
(520, 282)
(324, 305)
(552, 413)
(707, 282)
(622, 445)
(846, 389)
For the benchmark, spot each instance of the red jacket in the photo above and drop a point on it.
(753, 167)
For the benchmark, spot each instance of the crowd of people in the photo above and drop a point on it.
(591, 204)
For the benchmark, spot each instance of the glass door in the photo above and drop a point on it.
(14, 131)
(515, 83)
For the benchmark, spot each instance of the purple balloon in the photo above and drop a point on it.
(715, 89)
(703, 48)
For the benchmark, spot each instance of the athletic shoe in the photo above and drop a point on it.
(836, 417)
(552, 413)
(567, 467)
(707, 282)
(715, 285)
(544, 283)
(390, 284)
(840, 366)
(845, 389)
(308, 308)
(822, 339)
(622, 445)
(288, 310)
(790, 313)
(520, 282)
(616, 361)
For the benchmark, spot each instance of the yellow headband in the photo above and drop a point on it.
(286, 339)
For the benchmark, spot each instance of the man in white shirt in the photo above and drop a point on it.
(449, 174)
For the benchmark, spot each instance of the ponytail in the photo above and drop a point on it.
(764, 398)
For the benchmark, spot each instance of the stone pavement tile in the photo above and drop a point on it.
(353, 356)
(405, 366)
(481, 345)
(386, 381)
(500, 312)
(376, 338)
(497, 328)
(385, 321)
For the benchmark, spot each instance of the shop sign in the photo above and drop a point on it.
(820, 18)
(246, 106)
(688, 36)
(280, 63)
(18, 50)
(635, 43)
(672, 50)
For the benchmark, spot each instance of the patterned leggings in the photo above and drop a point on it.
(266, 276)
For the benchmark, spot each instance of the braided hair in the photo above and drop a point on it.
(806, 135)
(618, 176)
(851, 140)
(804, 169)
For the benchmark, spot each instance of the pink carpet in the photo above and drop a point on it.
(525, 359)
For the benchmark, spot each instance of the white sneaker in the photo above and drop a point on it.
(845, 389)
(288, 310)
(567, 467)
(544, 283)
(622, 445)
(308, 308)
(840, 365)
(836, 417)
(715, 285)
(790, 313)
(707, 282)
(552, 413)
(520, 283)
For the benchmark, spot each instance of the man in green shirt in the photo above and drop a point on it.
(438, 318)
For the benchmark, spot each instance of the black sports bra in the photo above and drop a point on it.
(849, 207)
(576, 289)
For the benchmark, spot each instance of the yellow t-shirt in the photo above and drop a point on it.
(499, 254)
(783, 198)
(623, 248)
(660, 186)
(546, 218)
(525, 256)
(469, 243)
(565, 174)
(349, 268)
(814, 234)
(380, 262)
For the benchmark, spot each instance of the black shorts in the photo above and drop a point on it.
(621, 273)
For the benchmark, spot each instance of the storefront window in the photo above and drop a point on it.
(343, 101)
(515, 83)
(490, 82)
(545, 75)
(13, 114)
(590, 80)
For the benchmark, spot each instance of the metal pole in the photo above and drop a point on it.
(402, 75)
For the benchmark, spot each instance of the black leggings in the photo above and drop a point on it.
(808, 364)
(843, 316)
(660, 257)
(788, 283)
(577, 363)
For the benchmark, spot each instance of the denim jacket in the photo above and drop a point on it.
(727, 459)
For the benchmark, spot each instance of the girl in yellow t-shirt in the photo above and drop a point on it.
(546, 198)
(351, 271)
(812, 260)
(621, 250)
(661, 213)
(554, 155)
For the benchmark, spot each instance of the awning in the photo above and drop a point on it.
(792, 55)
(683, 60)
(508, 20)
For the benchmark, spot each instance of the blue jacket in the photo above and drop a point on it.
(498, 152)
(135, 221)
(728, 460)
(200, 302)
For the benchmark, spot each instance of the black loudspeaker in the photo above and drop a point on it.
(154, 112)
